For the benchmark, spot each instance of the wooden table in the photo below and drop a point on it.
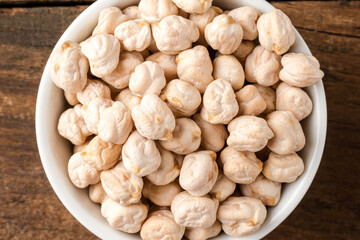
(29, 209)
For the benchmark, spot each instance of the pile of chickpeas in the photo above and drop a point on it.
(164, 125)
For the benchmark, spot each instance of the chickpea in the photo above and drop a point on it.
(247, 18)
(161, 195)
(186, 137)
(194, 212)
(134, 35)
(79, 148)
(203, 233)
(167, 63)
(92, 112)
(97, 193)
(168, 170)
(152, 47)
(248, 133)
(72, 126)
(129, 99)
(108, 20)
(195, 67)
(300, 70)
(93, 89)
(229, 68)
(241, 216)
(244, 50)
(262, 66)
(132, 12)
(223, 187)
(276, 32)
(199, 172)
(161, 225)
(145, 53)
(148, 78)
(250, 101)
(269, 96)
(122, 186)
(193, 6)
(289, 136)
(140, 155)
(71, 98)
(283, 168)
(219, 103)
(126, 218)
(174, 34)
(155, 10)
(263, 189)
(69, 67)
(240, 167)
(120, 77)
(224, 34)
(153, 118)
(80, 173)
(103, 51)
(213, 136)
(101, 155)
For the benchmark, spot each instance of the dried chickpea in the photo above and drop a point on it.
(122, 186)
(229, 68)
(153, 118)
(219, 103)
(224, 34)
(250, 101)
(161, 195)
(269, 96)
(174, 34)
(79, 148)
(195, 67)
(109, 18)
(155, 10)
(262, 66)
(92, 112)
(69, 67)
(247, 18)
(276, 32)
(263, 189)
(132, 12)
(129, 99)
(93, 89)
(82, 174)
(283, 168)
(97, 193)
(140, 155)
(244, 50)
(199, 172)
(289, 136)
(186, 137)
(203, 233)
(167, 63)
(223, 187)
(71, 98)
(193, 6)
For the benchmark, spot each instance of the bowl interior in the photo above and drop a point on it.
(55, 151)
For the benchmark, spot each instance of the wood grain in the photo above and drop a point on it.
(29, 209)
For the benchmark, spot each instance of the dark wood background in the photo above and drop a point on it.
(29, 209)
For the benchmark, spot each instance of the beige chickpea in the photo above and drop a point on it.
(193, 6)
(140, 155)
(223, 187)
(132, 12)
(174, 34)
(247, 17)
(250, 101)
(241, 216)
(148, 78)
(126, 218)
(101, 155)
(97, 193)
(109, 18)
(224, 34)
(161, 225)
(71, 98)
(289, 136)
(269, 96)
(219, 103)
(300, 70)
(122, 186)
(194, 212)
(240, 167)
(79, 148)
(93, 89)
(168, 170)
(195, 67)
(153, 118)
(80, 173)
(244, 50)
(145, 53)
(92, 112)
(120, 77)
(199, 172)
(276, 32)
(213, 136)
(167, 63)
(72, 126)
(155, 10)
(186, 137)
(161, 195)
(293, 99)
(134, 35)
(69, 67)
(267, 191)
(203, 233)
(262, 66)
(129, 99)
(229, 68)
(283, 168)
(203, 19)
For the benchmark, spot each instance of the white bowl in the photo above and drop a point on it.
(55, 150)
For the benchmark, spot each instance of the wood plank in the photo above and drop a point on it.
(24, 3)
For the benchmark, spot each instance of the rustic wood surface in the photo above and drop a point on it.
(29, 209)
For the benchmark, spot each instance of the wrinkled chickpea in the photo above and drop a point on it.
(161, 195)
(247, 18)
(167, 63)
(244, 50)
(109, 19)
(79, 148)
(250, 101)
(97, 193)
(93, 89)
(155, 10)
(203, 233)
(132, 12)
(229, 68)
(193, 6)
(129, 99)
(71, 98)
(269, 96)
(81, 173)
(223, 187)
